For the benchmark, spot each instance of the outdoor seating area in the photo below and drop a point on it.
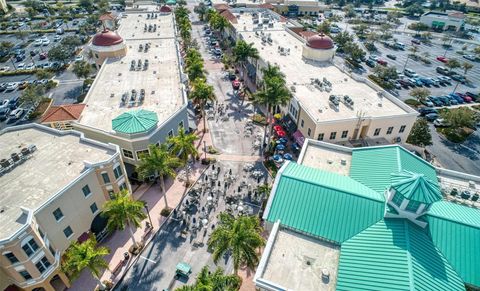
(280, 146)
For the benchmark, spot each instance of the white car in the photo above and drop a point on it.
(30, 66)
(79, 58)
(4, 69)
(16, 114)
(11, 86)
(21, 66)
(45, 41)
(470, 57)
(57, 38)
(38, 42)
(4, 103)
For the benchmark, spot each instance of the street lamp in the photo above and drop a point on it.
(148, 213)
(205, 149)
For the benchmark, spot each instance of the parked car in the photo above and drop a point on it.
(393, 57)
(424, 111)
(370, 63)
(456, 97)
(4, 103)
(12, 86)
(16, 114)
(452, 100)
(20, 57)
(436, 102)
(435, 82)
(22, 85)
(442, 59)
(440, 122)
(382, 62)
(410, 73)
(373, 58)
(79, 58)
(4, 69)
(38, 42)
(57, 38)
(416, 41)
(403, 82)
(13, 102)
(474, 96)
(45, 41)
(446, 101)
(470, 57)
(33, 53)
(4, 111)
(465, 98)
(458, 78)
(431, 117)
(445, 80)
(21, 66)
(43, 56)
(427, 102)
(3, 86)
(418, 81)
(426, 81)
(442, 70)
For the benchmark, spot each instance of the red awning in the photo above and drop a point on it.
(298, 137)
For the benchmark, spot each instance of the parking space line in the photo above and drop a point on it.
(152, 261)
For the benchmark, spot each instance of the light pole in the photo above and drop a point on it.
(148, 213)
(205, 149)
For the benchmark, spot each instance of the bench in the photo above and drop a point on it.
(118, 267)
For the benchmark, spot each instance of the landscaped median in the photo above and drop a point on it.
(458, 123)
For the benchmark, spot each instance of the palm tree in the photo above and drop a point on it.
(123, 211)
(159, 163)
(275, 93)
(181, 12)
(242, 51)
(272, 71)
(452, 64)
(195, 70)
(466, 66)
(183, 147)
(202, 93)
(241, 237)
(85, 255)
(216, 281)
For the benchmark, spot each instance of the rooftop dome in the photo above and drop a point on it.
(135, 121)
(320, 41)
(106, 38)
(416, 187)
(165, 9)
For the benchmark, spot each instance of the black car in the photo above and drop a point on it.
(392, 57)
(4, 111)
(370, 63)
(424, 111)
(431, 117)
(458, 78)
(33, 53)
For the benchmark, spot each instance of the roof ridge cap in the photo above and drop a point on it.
(54, 109)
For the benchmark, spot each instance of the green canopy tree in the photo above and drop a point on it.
(159, 163)
(466, 66)
(124, 212)
(420, 94)
(195, 70)
(453, 64)
(183, 146)
(420, 134)
(32, 94)
(59, 53)
(241, 237)
(460, 117)
(324, 27)
(242, 51)
(82, 69)
(202, 93)
(88, 255)
(216, 281)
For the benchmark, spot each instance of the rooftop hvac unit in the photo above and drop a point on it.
(343, 162)
(471, 184)
(329, 162)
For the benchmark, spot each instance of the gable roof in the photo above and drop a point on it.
(373, 166)
(455, 230)
(135, 121)
(416, 187)
(63, 113)
(323, 204)
(394, 254)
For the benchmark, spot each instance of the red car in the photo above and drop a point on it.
(382, 62)
(43, 56)
(442, 59)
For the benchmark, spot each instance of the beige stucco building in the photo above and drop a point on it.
(54, 185)
(138, 97)
(329, 103)
(3, 5)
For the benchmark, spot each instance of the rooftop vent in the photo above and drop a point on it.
(471, 184)
(329, 162)
(343, 162)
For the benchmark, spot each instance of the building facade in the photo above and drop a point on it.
(53, 193)
(444, 21)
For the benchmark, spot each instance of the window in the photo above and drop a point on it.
(180, 125)
(344, 133)
(320, 136)
(117, 172)
(309, 132)
(68, 232)
(96, 56)
(94, 208)
(170, 133)
(412, 206)
(376, 132)
(302, 123)
(11, 257)
(42, 265)
(402, 128)
(106, 178)
(30, 247)
(389, 130)
(397, 199)
(26, 275)
(123, 186)
(57, 213)
(51, 250)
(111, 194)
(86, 191)
(333, 135)
(127, 153)
(141, 153)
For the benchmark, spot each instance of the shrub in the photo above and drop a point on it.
(381, 82)
(412, 102)
(259, 119)
(166, 211)
(456, 135)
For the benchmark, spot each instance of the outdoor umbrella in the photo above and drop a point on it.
(280, 147)
(287, 156)
(281, 133)
(276, 157)
(283, 140)
(277, 128)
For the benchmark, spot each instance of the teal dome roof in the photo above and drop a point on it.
(135, 121)
(416, 187)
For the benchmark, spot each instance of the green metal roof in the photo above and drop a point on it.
(323, 204)
(416, 187)
(455, 230)
(135, 121)
(394, 254)
(171, 2)
(373, 166)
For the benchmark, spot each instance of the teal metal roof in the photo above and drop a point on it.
(394, 254)
(373, 166)
(416, 187)
(455, 230)
(135, 121)
(324, 204)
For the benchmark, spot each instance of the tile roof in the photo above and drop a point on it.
(229, 16)
(394, 254)
(63, 113)
(373, 166)
(455, 230)
(323, 204)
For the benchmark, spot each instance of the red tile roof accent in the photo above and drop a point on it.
(63, 113)
(106, 16)
(267, 6)
(106, 38)
(221, 7)
(229, 16)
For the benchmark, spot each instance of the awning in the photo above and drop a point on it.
(298, 137)
(98, 224)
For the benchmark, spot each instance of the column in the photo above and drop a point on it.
(64, 279)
